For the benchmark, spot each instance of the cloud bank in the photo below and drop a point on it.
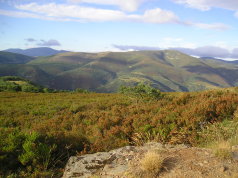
(75, 12)
(206, 5)
(79, 13)
(127, 5)
(205, 51)
(49, 43)
(30, 40)
(134, 48)
(46, 43)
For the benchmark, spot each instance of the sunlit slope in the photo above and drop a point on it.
(167, 70)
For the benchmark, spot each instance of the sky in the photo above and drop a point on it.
(196, 27)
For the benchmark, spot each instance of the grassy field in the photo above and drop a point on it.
(40, 131)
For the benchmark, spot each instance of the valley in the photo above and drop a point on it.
(166, 70)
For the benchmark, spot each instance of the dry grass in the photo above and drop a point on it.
(222, 149)
(152, 163)
(220, 137)
(139, 139)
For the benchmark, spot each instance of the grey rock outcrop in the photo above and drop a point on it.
(179, 161)
(86, 165)
(235, 152)
(108, 164)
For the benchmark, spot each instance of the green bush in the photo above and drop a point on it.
(141, 91)
(30, 88)
(13, 87)
(48, 90)
(25, 151)
(80, 90)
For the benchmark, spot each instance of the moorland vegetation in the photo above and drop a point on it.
(40, 131)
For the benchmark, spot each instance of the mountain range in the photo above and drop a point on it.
(35, 52)
(167, 70)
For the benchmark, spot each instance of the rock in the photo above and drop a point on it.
(113, 163)
(179, 161)
(235, 155)
(86, 165)
(235, 152)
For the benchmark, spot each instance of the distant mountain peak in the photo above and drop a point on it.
(36, 52)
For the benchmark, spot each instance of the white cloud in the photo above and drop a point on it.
(223, 44)
(72, 11)
(159, 16)
(235, 53)
(20, 14)
(134, 48)
(208, 4)
(30, 40)
(198, 4)
(236, 14)
(94, 14)
(165, 43)
(66, 12)
(205, 5)
(51, 42)
(214, 26)
(211, 51)
(204, 51)
(128, 5)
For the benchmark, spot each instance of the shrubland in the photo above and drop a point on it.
(40, 131)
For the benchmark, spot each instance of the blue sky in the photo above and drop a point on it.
(197, 27)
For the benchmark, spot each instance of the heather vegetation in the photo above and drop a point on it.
(40, 131)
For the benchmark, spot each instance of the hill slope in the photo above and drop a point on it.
(166, 70)
(105, 72)
(12, 58)
(29, 72)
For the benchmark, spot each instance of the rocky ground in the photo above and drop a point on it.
(179, 161)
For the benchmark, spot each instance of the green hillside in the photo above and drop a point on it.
(13, 58)
(29, 72)
(166, 70)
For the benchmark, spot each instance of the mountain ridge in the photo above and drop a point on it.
(35, 52)
(167, 70)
